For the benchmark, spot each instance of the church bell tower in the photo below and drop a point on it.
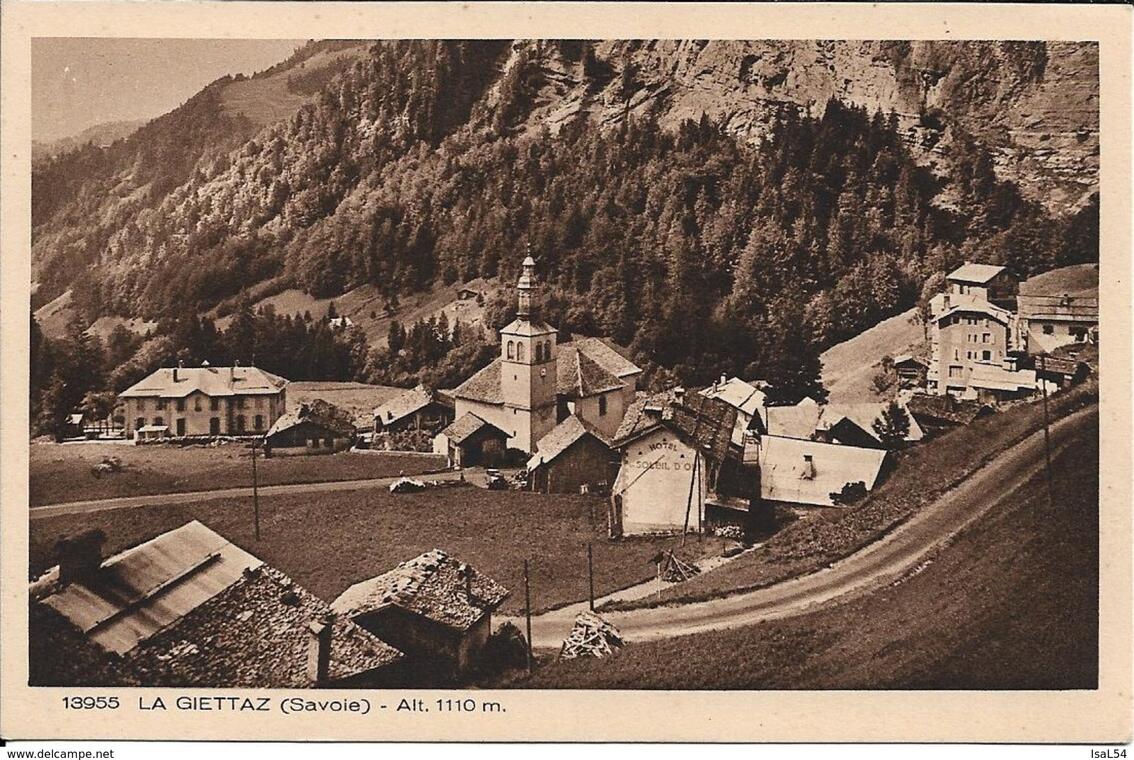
(528, 365)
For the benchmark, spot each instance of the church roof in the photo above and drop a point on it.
(584, 367)
(526, 328)
(580, 376)
(484, 386)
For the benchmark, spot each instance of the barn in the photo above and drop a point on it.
(472, 442)
(317, 427)
(571, 458)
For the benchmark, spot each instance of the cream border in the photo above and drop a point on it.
(1103, 715)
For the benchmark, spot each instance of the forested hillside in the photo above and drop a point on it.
(706, 244)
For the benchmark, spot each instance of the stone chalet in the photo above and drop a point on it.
(191, 609)
(204, 401)
(435, 608)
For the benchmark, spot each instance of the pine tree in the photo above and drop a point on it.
(892, 426)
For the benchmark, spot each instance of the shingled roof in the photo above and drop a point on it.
(211, 381)
(560, 438)
(580, 376)
(405, 404)
(433, 585)
(484, 386)
(461, 429)
(188, 608)
(705, 423)
(945, 409)
(319, 413)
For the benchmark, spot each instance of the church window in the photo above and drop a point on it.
(602, 405)
(519, 352)
(511, 350)
(538, 352)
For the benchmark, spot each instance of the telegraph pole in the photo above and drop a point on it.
(255, 493)
(528, 613)
(1046, 426)
(591, 575)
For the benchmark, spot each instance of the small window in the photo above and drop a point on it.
(197, 404)
(214, 404)
(239, 402)
(519, 352)
(240, 423)
(160, 404)
(511, 350)
(139, 423)
(954, 371)
(986, 355)
(214, 426)
(538, 352)
(986, 338)
(159, 421)
(259, 422)
(181, 405)
(602, 405)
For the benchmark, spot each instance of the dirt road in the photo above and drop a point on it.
(881, 563)
(130, 502)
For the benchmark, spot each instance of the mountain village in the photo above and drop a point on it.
(552, 414)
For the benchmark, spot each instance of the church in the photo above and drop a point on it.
(536, 383)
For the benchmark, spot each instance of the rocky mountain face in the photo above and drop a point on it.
(1034, 106)
(232, 187)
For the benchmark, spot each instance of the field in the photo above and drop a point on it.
(923, 473)
(357, 398)
(62, 472)
(328, 541)
(850, 366)
(362, 302)
(1077, 279)
(1012, 603)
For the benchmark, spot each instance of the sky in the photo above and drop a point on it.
(78, 82)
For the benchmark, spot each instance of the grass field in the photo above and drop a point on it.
(328, 541)
(1011, 603)
(923, 474)
(62, 472)
(849, 367)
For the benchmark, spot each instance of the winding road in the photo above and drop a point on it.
(881, 563)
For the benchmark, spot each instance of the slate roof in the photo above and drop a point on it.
(319, 413)
(786, 476)
(559, 439)
(797, 421)
(462, 429)
(433, 585)
(978, 273)
(584, 367)
(170, 613)
(994, 377)
(212, 381)
(702, 422)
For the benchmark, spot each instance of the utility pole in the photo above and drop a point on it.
(1046, 426)
(591, 575)
(528, 613)
(255, 493)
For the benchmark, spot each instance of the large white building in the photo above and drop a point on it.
(537, 383)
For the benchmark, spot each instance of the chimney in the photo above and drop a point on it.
(176, 373)
(232, 370)
(808, 467)
(466, 572)
(79, 556)
(679, 394)
(724, 379)
(319, 649)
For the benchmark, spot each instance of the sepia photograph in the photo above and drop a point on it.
(555, 363)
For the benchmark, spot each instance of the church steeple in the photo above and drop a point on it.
(527, 291)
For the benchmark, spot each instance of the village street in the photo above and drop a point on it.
(132, 502)
(883, 562)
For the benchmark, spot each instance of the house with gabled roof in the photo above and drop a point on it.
(470, 441)
(205, 401)
(435, 608)
(416, 408)
(676, 457)
(794, 471)
(574, 456)
(750, 402)
(189, 608)
(537, 382)
(316, 427)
